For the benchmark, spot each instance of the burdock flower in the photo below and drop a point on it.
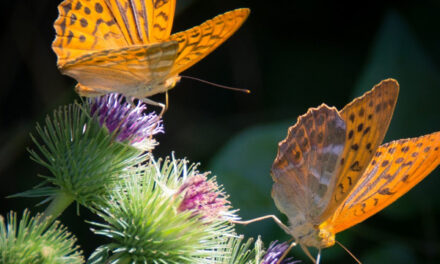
(144, 219)
(127, 121)
(203, 197)
(275, 252)
(88, 148)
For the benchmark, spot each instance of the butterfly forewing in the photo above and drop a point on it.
(130, 16)
(144, 21)
(199, 41)
(126, 70)
(307, 163)
(161, 15)
(83, 27)
(396, 168)
(367, 119)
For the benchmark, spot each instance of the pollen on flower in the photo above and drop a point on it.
(128, 122)
(203, 197)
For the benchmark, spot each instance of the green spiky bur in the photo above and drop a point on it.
(36, 241)
(141, 204)
(142, 220)
(83, 158)
(240, 252)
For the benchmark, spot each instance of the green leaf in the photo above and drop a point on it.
(243, 167)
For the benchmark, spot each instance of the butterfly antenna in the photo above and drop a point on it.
(286, 252)
(217, 85)
(318, 257)
(348, 251)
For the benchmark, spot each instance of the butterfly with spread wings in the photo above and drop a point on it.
(126, 46)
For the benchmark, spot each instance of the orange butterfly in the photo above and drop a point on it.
(330, 172)
(125, 46)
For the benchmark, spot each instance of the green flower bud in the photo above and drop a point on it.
(84, 158)
(36, 241)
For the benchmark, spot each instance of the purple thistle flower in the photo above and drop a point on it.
(128, 121)
(275, 252)
(203, 197)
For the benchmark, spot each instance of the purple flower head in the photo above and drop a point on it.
(203, 197)
(126, 120)
(275, 252)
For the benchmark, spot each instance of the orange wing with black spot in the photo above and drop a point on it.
(367, 119)
(396, 168)
(83, 27)
(197, 42)
(142, 21)
(94, 25)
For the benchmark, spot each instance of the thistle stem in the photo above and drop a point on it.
(61, 201)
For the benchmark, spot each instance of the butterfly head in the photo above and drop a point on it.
(309, 235)
(171, 82)
(151, 88)
(326, 235)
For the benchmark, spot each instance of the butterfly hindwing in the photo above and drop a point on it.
(367, 119)
(199, 41)
(396, 168)
(306, 166)
(124, 70)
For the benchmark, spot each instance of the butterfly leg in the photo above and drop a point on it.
(166, 101)
(151, 102)
(278, 221)
(308, 254)
(286, 252)
(318, 257)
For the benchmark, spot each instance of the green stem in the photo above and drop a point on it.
(61, 201)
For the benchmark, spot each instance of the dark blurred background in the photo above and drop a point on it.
(292, 55)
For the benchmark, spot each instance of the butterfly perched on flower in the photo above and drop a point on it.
(330, 172)
(125, 46)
